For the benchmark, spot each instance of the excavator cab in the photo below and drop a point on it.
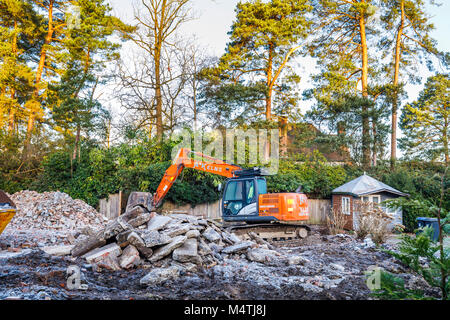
(245, 199)
(240, 198)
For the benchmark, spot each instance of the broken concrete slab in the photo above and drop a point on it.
(164, 251)
(98, 254)
(58, 250)
(177, 230)
(155, 238)
(193, 234)
(8, 255)
(184, 217)
(187, 252)
(129, 258)
(140, 220)
(238, 247)
(262, 255)
(295, 260)
(211, 235)
(158, 222)
(160, 275)
(109, 262)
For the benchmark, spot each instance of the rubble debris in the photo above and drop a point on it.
(167, 249)
(211, 235)
(58, 250)
(187, 252)
(159, 275)
(129, 258)
(238, 247)
(11, 254)
(53, 211)
(158, 222)
(98, 254)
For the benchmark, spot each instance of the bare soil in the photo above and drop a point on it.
(333, 267)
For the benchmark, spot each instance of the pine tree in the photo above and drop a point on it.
(18, 30)
(425, 122)
(406, 39)
(264, 38)
(342, 49)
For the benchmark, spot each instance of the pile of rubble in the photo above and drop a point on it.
(168, 244)
(53, 211)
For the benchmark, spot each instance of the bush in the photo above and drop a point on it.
(371, 219)
(335, 221)
(312, 172)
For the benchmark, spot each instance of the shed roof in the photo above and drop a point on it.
(364, 185)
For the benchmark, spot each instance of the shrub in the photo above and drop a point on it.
(335, 221)
(371, 219)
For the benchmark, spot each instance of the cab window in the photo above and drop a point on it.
(234, 191)
(250, 188)
(262, 186)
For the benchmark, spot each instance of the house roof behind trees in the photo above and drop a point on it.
(364, 185)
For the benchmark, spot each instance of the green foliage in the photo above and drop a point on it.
(393, 288)
(426, 122)
(101, 172)
(423, 257)
(316, 177)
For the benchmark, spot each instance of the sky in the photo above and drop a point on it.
(214, 19)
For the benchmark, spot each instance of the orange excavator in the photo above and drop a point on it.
(246, 206)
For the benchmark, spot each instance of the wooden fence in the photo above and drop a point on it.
(111, 207)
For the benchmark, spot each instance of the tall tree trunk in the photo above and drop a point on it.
(12, 116)
(269, 84)
(77, 142)
(445, 138)
(374, 147)
(33, 109)
(364, 82)
(158, 96)
(395, 83)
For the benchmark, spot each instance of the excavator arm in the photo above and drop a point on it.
(184, 159)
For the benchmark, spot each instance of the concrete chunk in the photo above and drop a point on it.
(211, 235)
(58, 250)
(176, 230)
(164, 251)
(158, 222)
(98, 254)
(109, 262)
(160, 275)
(187, 252)
(154, 238)
(262, 255)
(238, 247)
(129, 258)
(193, 234)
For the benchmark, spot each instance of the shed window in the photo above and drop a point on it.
(345, 203)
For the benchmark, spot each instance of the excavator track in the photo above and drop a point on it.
(270, 231)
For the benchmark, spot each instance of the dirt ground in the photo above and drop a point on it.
(331, 267)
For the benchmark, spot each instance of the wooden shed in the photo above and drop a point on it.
(368, 189)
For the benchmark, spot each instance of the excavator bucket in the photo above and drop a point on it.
(7, 210)
(143, 199)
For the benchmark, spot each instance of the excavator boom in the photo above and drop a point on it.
(184, 159)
